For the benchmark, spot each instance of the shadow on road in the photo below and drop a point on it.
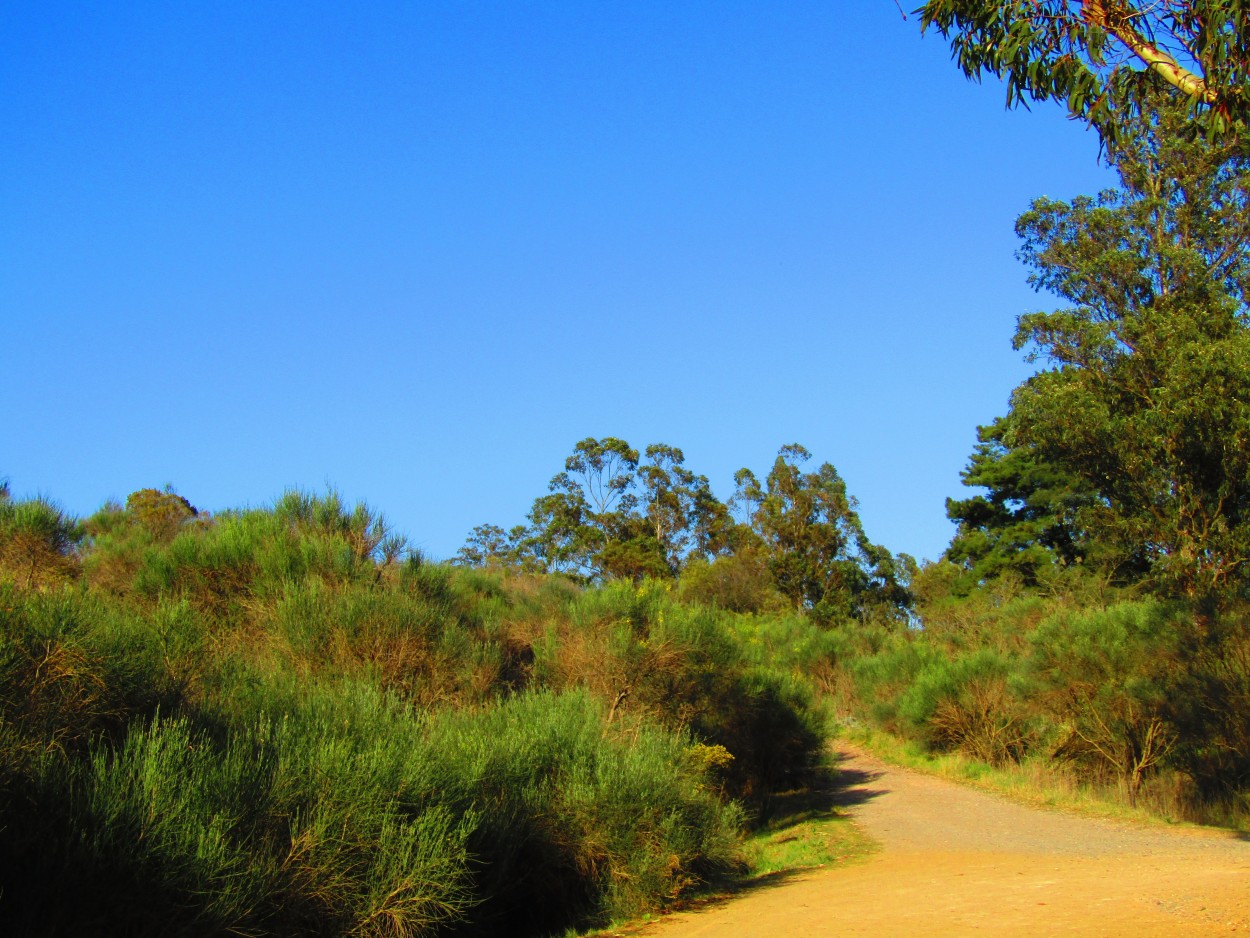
(853, 786)
(836, 787)
(833, 790)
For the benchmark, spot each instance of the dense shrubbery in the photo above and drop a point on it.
(268, 723)
(339, 810)
(1134, 695)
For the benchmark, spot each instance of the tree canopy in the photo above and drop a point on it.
(817, 551)
(1026, 522)
(1097, 56)
(1144, 412)
(615, 514)
(612, 513)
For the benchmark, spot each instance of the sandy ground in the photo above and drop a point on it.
(957, 861)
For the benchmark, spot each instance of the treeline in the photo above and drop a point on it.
(793, 541)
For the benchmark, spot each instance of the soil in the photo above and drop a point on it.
(959, 861)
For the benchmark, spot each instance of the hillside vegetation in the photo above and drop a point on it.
(265, 722)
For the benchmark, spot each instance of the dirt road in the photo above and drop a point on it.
(956, 861)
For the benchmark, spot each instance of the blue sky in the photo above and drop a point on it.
(418, 250)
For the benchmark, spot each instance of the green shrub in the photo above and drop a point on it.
(297, 807)
(1208, 707)
(740, 582)
(37, 542)
(72, 668)
(1104, 677)
(967, 703)
(643, 653)
(578, 826)
(882, 676)
(279, 830)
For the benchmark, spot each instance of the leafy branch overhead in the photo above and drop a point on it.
(1095, 55)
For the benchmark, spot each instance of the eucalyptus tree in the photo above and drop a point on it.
(814, 542)
(1099, 57)
(489, 545)
(683, 515)
(611, 514)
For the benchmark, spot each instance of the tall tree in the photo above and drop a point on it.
(489, 545)
(1026, 523)
(1146, 402)
(683, 515)
(816, 547)
(610, 514)
(1098, 56)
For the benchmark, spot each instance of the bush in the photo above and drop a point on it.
(72, 669)
(334, 810)
(579, 826)
(1105, 676)
(37, 542)
(1208, 708)
(740, 582)
(642, 653)
(966, 703)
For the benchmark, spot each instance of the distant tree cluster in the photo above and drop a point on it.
(795, 538)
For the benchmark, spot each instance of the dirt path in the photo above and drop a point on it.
(956, 861)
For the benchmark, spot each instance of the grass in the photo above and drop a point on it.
(805, 829)
(806, 844)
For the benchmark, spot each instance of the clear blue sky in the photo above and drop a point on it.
(418, 250)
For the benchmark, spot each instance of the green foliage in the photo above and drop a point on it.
(1026, 523)
(1126, 693)
(37, 542)
(581, 824)
(684, 517)
(73, 670)
(737, 582)
(645, 655)
(611, 515)
(161, 514)
(1129, 453)
(1105, 677)
(591, 508)
(330, 810)
(1101, 58)
(490, 546)
(1207, 706)
(365, 532)
(817, 551)
(262, 723)
(283, 829)
(968, 703)
(251, 555)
